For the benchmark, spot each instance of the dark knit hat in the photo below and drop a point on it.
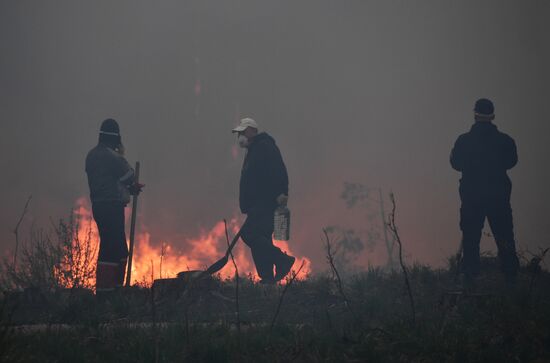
(109, 127)
(484, 107)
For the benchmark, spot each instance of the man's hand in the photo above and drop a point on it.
(120, 149)
(136, 188)
(282, 200)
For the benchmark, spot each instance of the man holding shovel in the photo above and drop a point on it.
(263, 187)
(111, 181)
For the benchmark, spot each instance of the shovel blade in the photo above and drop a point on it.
(217, 266)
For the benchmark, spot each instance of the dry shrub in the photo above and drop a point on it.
(62, 257)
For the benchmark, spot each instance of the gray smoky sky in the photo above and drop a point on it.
(372, 92)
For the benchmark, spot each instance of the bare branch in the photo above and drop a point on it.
(330, 260)
(393, 229)
(154, 314)
(236, 282)
(287, 286)
(16, 230)
(162, 253)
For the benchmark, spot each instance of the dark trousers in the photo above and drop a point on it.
(498, 212)
(113, 251)
(257, 233)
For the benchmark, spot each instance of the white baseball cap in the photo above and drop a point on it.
(245, 123)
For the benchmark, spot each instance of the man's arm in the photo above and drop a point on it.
(122, 170)
(510, 154)
(277, 171)
(457, 155)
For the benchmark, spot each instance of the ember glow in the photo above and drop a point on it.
(169, 257)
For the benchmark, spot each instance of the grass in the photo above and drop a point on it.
(494, 322)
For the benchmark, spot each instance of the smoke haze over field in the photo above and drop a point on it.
(360, 91)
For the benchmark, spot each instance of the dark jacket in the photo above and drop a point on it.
(263, 176)
(483, 155)
(109, 175)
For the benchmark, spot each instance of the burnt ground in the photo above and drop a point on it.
(370, 319)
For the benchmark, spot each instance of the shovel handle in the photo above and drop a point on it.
(218, 265)
(132, 229)
(233, 243)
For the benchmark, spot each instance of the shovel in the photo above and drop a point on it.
(132, 229)
(218, 265)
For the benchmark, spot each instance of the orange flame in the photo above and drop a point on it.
(165, 261)
(80, 243)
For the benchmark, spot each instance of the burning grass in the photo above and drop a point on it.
(65, 255)
(323, 317)
(167, 258)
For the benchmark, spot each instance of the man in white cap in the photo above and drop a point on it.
(263, 187)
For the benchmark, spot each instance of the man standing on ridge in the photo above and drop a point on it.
(263, 187)
(111, 181)
(483, 155)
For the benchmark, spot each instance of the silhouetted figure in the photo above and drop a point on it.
(263, 187)
(111, 181)
(483, 155)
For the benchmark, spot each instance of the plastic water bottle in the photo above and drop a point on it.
(281, 224)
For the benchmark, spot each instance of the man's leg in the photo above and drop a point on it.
(283, 264)
(472, 217)
(501, 222)
(256, 233)
(112, 249)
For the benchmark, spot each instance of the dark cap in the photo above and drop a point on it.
(484, 107)
(109, 127)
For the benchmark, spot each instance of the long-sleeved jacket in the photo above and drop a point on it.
(109, 175)
(263, 176)
(483, 155)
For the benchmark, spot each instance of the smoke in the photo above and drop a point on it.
(370, 92)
